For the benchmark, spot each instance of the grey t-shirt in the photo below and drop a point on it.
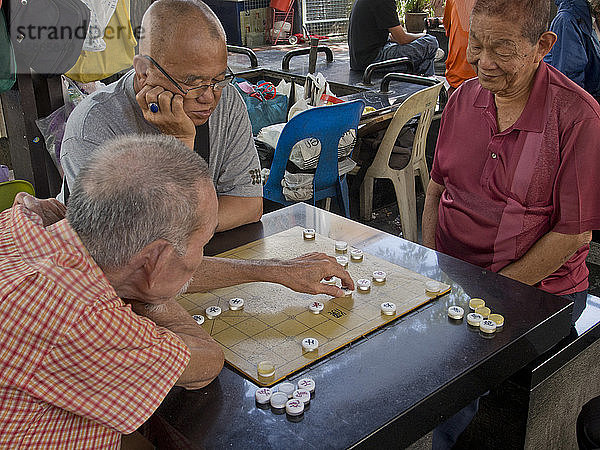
(113, 111)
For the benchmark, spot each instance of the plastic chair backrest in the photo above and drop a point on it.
(327, 124)
(421, 102)
(9, 189)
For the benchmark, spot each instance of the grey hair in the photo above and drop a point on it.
(532, 15)
(134, 191)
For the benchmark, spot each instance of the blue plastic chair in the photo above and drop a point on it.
(327, 124)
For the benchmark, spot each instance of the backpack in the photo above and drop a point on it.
(48, 35)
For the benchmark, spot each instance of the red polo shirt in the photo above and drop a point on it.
(504, 191)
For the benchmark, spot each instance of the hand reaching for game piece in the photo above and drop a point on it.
(49, 209)
(304, 274)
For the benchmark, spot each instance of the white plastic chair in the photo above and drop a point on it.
(402, 168)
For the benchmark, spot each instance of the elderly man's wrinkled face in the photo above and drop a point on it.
(182, 267)
(193, 62)
(504, 60)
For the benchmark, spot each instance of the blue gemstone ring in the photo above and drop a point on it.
(153, 107)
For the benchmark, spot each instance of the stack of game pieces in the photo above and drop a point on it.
(291, 399)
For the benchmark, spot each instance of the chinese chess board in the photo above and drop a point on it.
(275, 319)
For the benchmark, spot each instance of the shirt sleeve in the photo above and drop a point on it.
(568, 53)
(385, 14)
(577, 205)
(240, 171)
(114, 367)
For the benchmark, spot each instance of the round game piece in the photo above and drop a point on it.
(266, 369)
(379, 276)
(347, 291)
(307, 383)
(287, 388)
(278, 400)
(310, 344)
(316, 307)
(488, 326)
(432, 287)
(456, 312)
(294, 407)
(342, 261)
(475, 303)
(484, 311)
(341, 246)
(263, 395)
(329, 280)
(212, 312)
(303, 395)
(497, 318)
(199, 318)
(363, 285)
(474, 319)
(309, 234)
(236, 303)
(356, 255)
(388, 308)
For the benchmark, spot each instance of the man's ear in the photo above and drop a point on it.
(545, 44)
(141, 65)
(155, 260)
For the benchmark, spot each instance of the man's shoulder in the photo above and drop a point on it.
(573, 100)
(110, 106)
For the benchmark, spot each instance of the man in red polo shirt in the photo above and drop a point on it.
(512, 180)
(512, 187)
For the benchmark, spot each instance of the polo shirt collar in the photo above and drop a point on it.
(533, 116)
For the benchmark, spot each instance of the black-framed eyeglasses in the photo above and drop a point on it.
(216, 86)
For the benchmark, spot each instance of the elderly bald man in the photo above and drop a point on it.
(91, 336)
(179, 86)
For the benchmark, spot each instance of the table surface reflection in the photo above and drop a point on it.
(390, 387)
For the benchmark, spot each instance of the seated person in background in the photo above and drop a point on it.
(375, 34)
(179, 86)
(577, 49)
(456, 23)
(91, 336)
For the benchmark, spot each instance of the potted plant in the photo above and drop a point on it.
(415, 15)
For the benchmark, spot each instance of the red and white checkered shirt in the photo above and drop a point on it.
(77, 366)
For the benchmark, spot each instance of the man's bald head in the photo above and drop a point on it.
(167, 21)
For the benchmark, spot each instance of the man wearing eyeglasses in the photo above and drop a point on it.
(179, 86)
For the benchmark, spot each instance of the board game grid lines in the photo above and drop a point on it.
(275, 319)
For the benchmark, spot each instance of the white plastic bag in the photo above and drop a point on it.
(100, 13)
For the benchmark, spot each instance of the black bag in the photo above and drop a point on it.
(48, 35)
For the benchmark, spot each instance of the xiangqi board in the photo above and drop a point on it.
(274, 319)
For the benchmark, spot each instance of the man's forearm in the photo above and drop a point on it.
(236, 211)
(302, 274)
(206, 355)
(546, 256)
(430, 213)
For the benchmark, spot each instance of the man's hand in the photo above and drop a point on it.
(170, 118)
(50, 209)
(304, 274)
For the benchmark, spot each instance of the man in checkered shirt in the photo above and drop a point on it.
(91, 338)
